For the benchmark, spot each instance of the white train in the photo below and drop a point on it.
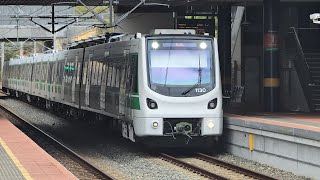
(160, 86)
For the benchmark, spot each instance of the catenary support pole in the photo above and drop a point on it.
(271, 81)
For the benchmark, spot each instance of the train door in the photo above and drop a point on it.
(124, 105)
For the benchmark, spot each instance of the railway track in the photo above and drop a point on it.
(77, 162)
(219, 169)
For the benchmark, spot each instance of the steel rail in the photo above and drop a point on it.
(191, 167)
(232, 167)
(64, 148)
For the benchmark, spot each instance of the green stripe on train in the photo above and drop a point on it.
(135, 103)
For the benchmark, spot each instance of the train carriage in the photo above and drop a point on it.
(163, 85)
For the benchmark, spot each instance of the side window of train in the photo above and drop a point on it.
(134, 71)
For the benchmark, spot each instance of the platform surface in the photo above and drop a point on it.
(304, 125)
(21, 158)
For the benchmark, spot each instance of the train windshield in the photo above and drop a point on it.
(180, 67)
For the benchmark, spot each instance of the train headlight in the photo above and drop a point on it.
(152, 104)
(203, 45)
(210, 124)
(212, 104)
(155, 45)
(155, 125)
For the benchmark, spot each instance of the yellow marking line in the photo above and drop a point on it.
(251, 142)
(23, 171)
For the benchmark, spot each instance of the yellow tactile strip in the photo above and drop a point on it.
(23, 171)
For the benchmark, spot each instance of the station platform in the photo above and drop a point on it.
(288, 141)
(21, 158)
(295, 124)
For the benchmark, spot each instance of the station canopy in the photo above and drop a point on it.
(119, 2)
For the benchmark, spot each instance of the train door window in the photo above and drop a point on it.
(96, 71)
(75, 69)
(22, 74)
(78, 72)
(53, 72)
(89, 72)
(59, 73)
(104, 75)
(118, 77)
(114, 76)
(100, 75)
(66, 72)
(29, 71)
(110, 75)
(41, 72)
(122, 78)
(63, 73)
(38, 72)
(93, 72)
(85, 68)
(47, 71)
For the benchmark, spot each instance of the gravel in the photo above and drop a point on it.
(118, 156)
(257, 167)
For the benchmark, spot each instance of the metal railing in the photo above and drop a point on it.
(302, 67)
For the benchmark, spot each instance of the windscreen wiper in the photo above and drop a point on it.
(195, 85)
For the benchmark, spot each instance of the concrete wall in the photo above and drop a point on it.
(289, 149)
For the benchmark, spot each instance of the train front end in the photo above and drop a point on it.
(179, 88)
